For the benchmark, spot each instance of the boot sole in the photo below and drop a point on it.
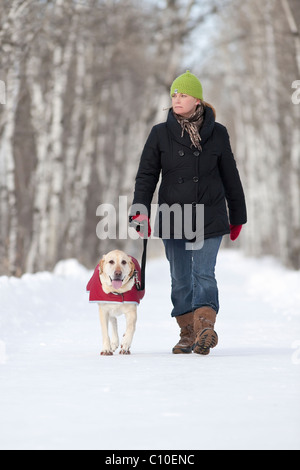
(206, 340)
(182, 350)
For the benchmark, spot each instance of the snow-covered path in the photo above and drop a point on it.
(57, 392)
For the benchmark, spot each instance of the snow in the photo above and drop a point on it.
(57, 392)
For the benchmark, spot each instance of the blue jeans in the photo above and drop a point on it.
(193, 275)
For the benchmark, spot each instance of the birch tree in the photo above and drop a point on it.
(260, 59)
(85, 81)
(11, 21)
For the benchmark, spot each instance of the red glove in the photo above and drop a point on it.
(235, 230)
(140, 221)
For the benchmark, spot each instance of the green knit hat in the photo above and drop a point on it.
(188, 84)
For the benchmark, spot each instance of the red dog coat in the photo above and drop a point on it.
(97, 294)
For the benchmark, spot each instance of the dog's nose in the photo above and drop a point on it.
(118, 274)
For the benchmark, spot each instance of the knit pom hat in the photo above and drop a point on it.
(188, 84)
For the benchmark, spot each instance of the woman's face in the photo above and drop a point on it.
(185, 105)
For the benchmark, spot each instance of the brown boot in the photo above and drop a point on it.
(187, 337)
(206, 337)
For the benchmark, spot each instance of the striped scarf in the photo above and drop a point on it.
(192, 125)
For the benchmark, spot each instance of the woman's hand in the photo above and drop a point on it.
(140, 222)
(235, 230)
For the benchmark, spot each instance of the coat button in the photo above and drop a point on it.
(195, 179)
(194, 204)
(197, 153)
(181, 153)
(180, 180)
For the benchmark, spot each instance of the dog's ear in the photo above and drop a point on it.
(101, 265)
(132, 268)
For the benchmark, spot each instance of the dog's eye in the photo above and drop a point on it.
(111, 261)
(124, 262)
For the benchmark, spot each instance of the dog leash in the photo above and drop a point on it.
(139, 225)
(143, 264)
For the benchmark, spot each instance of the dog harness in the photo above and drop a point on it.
(133, 296)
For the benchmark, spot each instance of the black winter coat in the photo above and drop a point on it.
(189, 176)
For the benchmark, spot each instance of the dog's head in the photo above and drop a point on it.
(116, 271)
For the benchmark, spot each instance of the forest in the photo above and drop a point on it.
(83, 81)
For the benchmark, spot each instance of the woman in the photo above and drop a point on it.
(193, 153)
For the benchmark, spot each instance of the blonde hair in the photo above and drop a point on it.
(209, 106)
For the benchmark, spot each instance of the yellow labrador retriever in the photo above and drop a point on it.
(115, 287)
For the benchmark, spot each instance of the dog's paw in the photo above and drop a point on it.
(106, 353)
(125, 352)
(114, 346)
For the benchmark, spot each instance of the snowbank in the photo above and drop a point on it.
(57, 392)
